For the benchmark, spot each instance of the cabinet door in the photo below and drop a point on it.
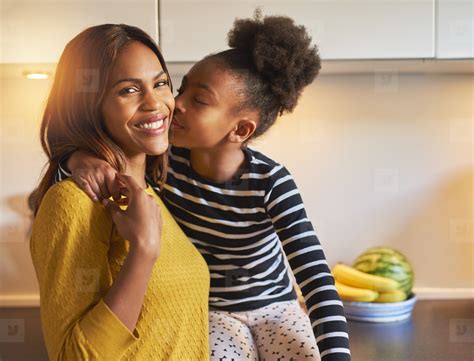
(36, 31)
(455, 30)
(343, 29)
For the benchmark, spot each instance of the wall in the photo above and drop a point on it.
(21, 105)
(380, 160)
(387, 162)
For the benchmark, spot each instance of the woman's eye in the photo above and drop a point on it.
(129, 90)
(162, 83)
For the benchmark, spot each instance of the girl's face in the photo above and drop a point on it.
(138, 104)
(204, 113)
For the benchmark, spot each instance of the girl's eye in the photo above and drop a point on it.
(179, 90)
(129, 90)
(200, 101)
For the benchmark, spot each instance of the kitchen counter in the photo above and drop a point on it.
(441, 330)
(437, 331)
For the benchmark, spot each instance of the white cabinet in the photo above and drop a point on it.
(455, 30)
(343, 29)
(36, 31)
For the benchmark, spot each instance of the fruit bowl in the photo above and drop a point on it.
(380, 312)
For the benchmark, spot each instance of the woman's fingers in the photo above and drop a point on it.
(141, 222)
(122, 201)
(124, 191)
(129, 184)
(113, 209)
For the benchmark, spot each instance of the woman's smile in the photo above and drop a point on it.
(153, 125)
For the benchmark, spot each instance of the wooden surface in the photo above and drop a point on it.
(437, 331)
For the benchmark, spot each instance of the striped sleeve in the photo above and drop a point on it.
(306, 257)
(63, 172)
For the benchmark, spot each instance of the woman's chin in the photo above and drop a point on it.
(157, 150)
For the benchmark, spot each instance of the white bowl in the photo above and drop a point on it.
(379, 312)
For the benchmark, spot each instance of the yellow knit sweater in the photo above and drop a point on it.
(77, 254)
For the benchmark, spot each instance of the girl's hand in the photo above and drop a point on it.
(94, 176)
(141, 223)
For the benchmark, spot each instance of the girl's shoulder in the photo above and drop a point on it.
(257, 157)
(263, 164)
(176, 152)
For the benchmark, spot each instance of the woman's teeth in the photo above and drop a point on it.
(154, 125)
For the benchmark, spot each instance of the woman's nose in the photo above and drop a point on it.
(152, 100)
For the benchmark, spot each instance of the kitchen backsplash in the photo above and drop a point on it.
(380, 159)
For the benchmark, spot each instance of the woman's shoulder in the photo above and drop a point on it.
(66, 189)
(67, 197)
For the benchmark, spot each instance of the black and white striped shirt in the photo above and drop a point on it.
(241, 227)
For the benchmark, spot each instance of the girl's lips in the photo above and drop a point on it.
(175, 124)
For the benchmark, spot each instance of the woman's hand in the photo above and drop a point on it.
(94, 176)
(141, 223)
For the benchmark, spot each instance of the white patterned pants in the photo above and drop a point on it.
(277, 332)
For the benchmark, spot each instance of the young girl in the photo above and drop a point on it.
(114, 284)
(241, 208)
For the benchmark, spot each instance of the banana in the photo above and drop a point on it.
(349, 293)
(392, 296)
(355, 278)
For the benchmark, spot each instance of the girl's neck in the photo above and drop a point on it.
(135, 166)
(217, 165)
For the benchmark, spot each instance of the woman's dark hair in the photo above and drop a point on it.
(73, 119)
(275, 60)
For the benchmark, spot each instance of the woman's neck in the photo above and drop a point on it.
(135, 166)
(217, 165)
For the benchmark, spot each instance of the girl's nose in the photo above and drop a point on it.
(179, 104)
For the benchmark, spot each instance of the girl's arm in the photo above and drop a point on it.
(85, 314)
(93, 175)
(306, 257)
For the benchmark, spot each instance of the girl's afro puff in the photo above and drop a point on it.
(281, 52)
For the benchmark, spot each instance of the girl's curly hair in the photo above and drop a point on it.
(275, 59)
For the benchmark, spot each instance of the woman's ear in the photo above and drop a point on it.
(242, 131)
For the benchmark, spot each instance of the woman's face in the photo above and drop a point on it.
(138, 105)
(204, 106)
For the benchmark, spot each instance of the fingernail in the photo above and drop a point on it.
(95, 199)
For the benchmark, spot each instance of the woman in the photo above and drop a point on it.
(115, 283)
(242, 209)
